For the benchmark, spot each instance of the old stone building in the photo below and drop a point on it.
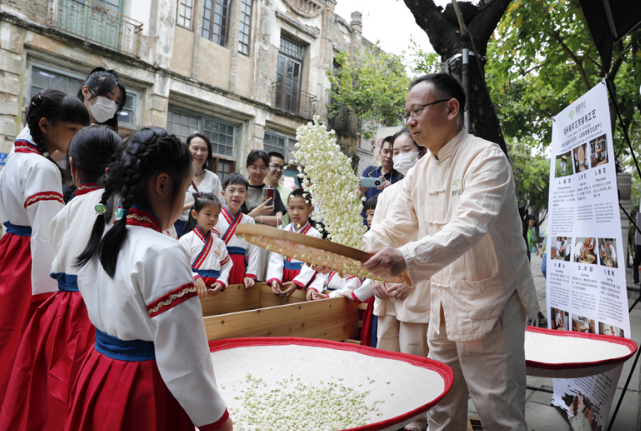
(246, 73)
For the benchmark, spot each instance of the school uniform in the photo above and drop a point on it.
(30, 197)
(244, 255)
(59, 335)
(150, 368)
(285, 269)
(471, 247)
(208, 256)
(338, 285)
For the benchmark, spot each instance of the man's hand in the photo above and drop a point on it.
(387, 262)
(380, 291)
(249, 282)
(215, 288)
(288, 288)
(398, 291)
(201, 288)
(385, 184)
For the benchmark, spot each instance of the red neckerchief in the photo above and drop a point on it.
(233, 224)
(139, 216)
(86, 188)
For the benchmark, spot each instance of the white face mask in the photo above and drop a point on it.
(104, 109)
(403, 162)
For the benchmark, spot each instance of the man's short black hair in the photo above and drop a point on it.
(446, 85)
(276, 154)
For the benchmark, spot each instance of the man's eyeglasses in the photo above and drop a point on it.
(416, 111)
(277, 167)
(255, 168)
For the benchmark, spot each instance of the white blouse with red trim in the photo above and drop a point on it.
(277, 262)
(152, 297)
(31, 195)
(207, 252)
(227, 233)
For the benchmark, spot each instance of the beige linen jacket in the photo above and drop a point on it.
(416, 307)
(470, 241)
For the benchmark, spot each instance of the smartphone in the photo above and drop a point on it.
(369, 183)
(268, 193)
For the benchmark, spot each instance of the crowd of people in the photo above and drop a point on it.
(110, 243)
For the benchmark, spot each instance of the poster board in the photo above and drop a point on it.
(586, 282)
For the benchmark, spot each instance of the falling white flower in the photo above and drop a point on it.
(329, 177)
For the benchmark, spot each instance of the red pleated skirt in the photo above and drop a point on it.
(48, 360)
(113, 395)
(17, 304)
(290, 274)
(237, 273)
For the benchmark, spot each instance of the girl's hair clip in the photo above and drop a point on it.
(100, 209)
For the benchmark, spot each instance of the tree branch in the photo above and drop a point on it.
(484, 24)
(586, 83)
(430, 18)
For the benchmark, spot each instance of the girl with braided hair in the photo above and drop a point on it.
(30, 197)
(150, 367)
(60, 334)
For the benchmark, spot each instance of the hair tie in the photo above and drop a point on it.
(106, 169)
(100, 209)
(121, 212)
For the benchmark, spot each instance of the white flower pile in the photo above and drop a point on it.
(292, 405)
(334, 187)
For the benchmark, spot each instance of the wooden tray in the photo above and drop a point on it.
(569, 355)
(314, 251)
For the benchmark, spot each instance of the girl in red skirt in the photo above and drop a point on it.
(30, 197)
(150, 367)
(60, 333)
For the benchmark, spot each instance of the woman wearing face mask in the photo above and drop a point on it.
(402, 312)
(104, 96)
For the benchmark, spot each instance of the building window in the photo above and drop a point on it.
(291, 48)
(288, 78)
(128, 113)
(185, 12)
(42, 79)
(245, 26)
(215, 20)
(281, 144)
(221, 134)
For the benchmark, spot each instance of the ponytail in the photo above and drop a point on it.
(147, 152)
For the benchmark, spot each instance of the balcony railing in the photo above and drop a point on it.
(340, 123)
(96, 23)
(292, 99)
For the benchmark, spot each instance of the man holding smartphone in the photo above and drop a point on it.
(385, 172)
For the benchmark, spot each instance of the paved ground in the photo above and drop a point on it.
(542, 416)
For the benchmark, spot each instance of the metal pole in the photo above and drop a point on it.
(465, 73)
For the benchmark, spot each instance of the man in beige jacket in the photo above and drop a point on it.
(461, 200)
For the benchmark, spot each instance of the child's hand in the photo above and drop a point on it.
(201, 288)
(289, 288)
(312, 295)
(249, 282)
(347, 294)
(215, 288)
(276, 288)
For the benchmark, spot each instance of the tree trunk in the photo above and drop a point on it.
(442, 28)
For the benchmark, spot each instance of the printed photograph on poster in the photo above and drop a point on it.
(583, 414)
(564, 165)
(607, 252)
(562, 249)
(584, 250)
(580, 156)
(598, 151)
(583, 324)
(606, 329)
(561, 319)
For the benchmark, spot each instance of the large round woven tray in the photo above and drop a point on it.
(313, 251)
(409, 385)
(569, 355)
